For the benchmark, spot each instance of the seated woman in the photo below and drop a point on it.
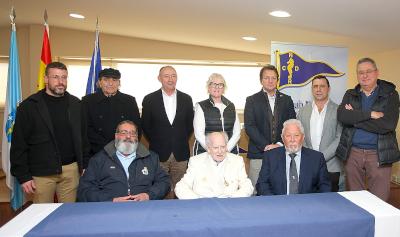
(216, 114)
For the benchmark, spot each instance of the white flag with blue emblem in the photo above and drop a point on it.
(13, 97)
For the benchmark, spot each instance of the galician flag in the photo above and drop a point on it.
(13, 97)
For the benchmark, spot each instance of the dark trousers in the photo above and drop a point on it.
(334, 181)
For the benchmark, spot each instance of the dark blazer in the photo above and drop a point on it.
(34, 150)
(163, 137)
(259, 122)
(313, 176)
(102, 115)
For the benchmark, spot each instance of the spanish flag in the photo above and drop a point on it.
(45, 58)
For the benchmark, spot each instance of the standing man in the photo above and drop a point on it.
(293, 169)
(264, 115)
(167, 122)
(369, 114)
(321, 128)
(104, 109)
(47, 146)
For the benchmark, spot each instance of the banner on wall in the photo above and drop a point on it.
(298, 64)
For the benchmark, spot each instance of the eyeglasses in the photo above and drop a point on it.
(367, 72)
(57, 77)
(217, 85)
(125, 133)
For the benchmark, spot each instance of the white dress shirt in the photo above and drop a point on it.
(199, 125)
(169, 105)
(297, 158)
(317, 125)
(271, 100)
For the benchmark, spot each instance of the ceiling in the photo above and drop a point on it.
(217, 23)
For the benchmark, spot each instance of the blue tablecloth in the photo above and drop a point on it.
(325, 215)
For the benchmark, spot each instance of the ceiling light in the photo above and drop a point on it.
(280, 14)
(249, 38)
(75, 15)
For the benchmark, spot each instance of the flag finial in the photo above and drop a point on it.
(97, 23)
(45, 16)
(12, 15)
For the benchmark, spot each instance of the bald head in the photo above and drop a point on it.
(216, 145)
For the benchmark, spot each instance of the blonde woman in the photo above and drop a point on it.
(216, 114)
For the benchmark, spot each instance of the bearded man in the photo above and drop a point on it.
(124, 171)
(293, 169)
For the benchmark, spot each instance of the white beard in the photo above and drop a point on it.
(126, 147)
(293, 149)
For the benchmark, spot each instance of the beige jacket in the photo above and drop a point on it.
(204, 179)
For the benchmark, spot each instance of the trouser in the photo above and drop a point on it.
(254, 170)
(363, 172)
(64, 185)
(334, 177)
(176, 170)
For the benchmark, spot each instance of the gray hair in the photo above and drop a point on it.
(208, 137)
(124, 122)
(367, 60)
(216, 76)
(295, 122)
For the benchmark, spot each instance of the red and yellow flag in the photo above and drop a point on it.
(45, 58)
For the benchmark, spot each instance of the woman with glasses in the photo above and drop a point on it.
(216, 114)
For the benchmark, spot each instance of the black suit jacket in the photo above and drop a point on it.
(163, 137)
(313, 178)
(261, 127)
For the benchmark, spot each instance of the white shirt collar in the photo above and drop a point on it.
(165, 93)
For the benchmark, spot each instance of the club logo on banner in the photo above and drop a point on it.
(294, 71)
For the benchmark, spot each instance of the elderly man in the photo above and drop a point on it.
(123, 171)
(322, 130)
(104, 109)
(368, 144)
(293, 169)
(215, 173)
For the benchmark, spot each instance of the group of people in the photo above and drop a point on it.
(90, 150)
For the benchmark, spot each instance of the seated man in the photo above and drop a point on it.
(123, 171)
(293, 169)
(215, 173)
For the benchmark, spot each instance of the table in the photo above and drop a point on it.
(328, 214)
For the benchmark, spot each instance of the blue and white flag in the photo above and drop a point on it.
(95, 66)
(298, 64)
(13, 98)
(294, 71)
